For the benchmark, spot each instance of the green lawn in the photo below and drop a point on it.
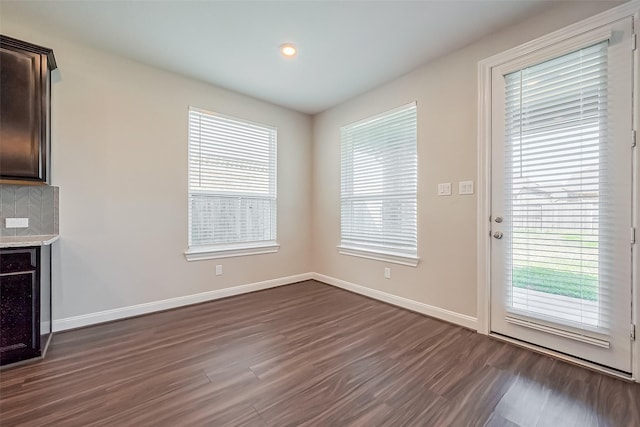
(556, 282)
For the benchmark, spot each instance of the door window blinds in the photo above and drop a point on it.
(232, 181)
(379, 183)
(558, 188)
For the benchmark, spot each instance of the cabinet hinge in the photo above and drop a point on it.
(633, 138)
(633, 331)
(633, 234)
(633, 41)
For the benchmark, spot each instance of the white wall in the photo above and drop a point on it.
(446, 92)
(120, 159)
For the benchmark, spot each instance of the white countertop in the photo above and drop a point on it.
(24, 241)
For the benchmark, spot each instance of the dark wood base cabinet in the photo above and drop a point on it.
(22, 288)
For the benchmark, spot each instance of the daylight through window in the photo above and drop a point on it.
(232, 182)
(379, 186)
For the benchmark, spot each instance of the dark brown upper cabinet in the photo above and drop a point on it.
(25, 111)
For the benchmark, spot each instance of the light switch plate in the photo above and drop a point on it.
(16, 222)
(444, 189)
(218, 270)
(465, 187)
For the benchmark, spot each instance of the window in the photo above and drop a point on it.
(379, 186)
(232, 186)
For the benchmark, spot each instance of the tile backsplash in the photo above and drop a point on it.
(39, 203)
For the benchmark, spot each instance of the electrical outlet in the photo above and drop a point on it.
(16, 222)
(387, 273)
(218, 270)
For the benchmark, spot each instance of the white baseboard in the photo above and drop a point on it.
(150, 307)
(429, 310)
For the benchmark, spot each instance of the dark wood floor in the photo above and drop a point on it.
(304, 354)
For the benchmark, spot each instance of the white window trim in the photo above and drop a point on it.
(626, 10)
(199, 253)
(379, 256)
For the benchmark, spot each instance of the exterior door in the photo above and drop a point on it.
(562, 197)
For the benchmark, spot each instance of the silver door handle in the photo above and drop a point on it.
(498, 235)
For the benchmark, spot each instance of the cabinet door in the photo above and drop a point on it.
(19, 306)
(23, 118)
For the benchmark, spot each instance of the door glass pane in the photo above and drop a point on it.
(556, 116)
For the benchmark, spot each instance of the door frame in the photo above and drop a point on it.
(483, 266)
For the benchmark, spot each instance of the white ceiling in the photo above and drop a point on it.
(345, 47)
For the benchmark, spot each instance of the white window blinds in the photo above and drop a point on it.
(558, 190)
(379, 184)
(232, 181)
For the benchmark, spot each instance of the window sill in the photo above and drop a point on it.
(380, 256)
(199, 253)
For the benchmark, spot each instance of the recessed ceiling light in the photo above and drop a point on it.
(288, 50)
